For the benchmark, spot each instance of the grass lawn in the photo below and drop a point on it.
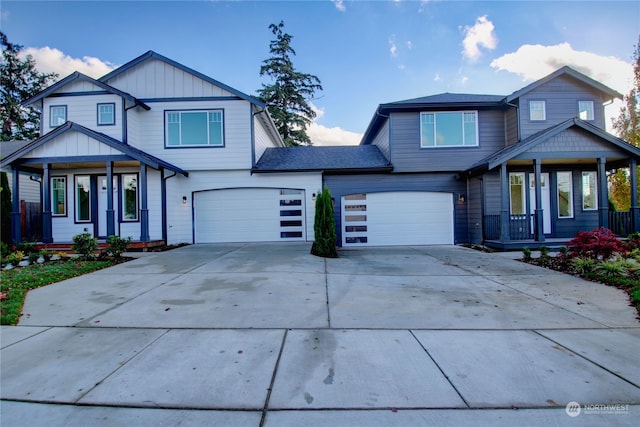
(15, 283)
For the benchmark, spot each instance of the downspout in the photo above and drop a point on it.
(163, 191)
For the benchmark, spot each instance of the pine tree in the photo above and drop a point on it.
(19, 80)
(627, 125)
(288, 94)
(324, 227)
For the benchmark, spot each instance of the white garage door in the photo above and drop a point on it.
(397, 218)
(249, 215)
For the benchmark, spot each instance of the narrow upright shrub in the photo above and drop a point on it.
(324, 227)
(526, 253)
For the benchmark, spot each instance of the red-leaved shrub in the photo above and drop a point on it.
(600, 243)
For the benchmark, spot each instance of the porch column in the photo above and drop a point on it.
(111, 224)
(47, 226)
(603, 194)
(539, 217)
(635, 209)
(504, 204)
(144, 208)
(16, 232)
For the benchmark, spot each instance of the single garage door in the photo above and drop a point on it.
(249, 215)
(397, 218)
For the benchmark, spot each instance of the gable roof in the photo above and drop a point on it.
(508, 153)
(82, 77)
(566, 70)
(154, 55)
(356, 158)
(7, 148)
(128, 150)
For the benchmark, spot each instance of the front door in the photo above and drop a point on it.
(102, 205)
(546, 201)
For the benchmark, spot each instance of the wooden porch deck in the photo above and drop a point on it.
(102, 244)
(517, 245)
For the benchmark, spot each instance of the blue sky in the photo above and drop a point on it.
(364, 52)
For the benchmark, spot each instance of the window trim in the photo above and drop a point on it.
(65, 204)
(558, 173)
(462, 112)
(123, 197)
(544, 110)
(75, 200)
(98, 122)
(196, 110)
(595, 198)
(593, 110)
(51, 108)
(525, 188)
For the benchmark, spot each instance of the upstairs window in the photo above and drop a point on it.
(194, 128)
(57, 115)
(585, 110)
(537, 111)
(449, 129)
(106, 114)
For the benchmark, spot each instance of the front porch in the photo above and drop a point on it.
(102, 245)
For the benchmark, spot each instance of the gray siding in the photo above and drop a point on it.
(407, 156)
(561, 96)
(491, 188)
(511, 126)
(341, 185)
(382, 140)
(474, 208)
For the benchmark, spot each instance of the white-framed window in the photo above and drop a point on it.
(195, 128)
(565, 194)
(585, 110)
(589, 191)
(517, 192)
(537, 110)
(449, 129)
(83, 198)
(57, 115)
(106, 114)
(129, 197)
(59, 196)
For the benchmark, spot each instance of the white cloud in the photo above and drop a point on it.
(437, 78)
(393, 48)
(533, 62)
(324, 136)
(480, 35)
(50, 60)
(409, 44)
(339, 5)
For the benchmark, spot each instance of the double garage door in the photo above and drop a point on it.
(397, 218)
(249, 215)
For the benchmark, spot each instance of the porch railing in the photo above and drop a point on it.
(621, 223)
(520, 227)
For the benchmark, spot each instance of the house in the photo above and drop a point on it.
(524, 169)
(162, 153)
(159, 152)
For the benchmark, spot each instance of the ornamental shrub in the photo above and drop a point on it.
(85, 245)
(324, 227)
(117, 245)
(600, 243)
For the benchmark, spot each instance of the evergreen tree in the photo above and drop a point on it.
(19, 80)
(627, 125)
(324, 227)
(288, 94)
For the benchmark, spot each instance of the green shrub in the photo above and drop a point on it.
(324, 227)
(583, 266)
(610, 270)
(117, 245)
(85, 246)
(526, 253)
(26, 247)
(14, 257)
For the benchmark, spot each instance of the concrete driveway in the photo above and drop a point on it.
(267, 334)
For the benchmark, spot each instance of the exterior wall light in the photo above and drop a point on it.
(184, 200)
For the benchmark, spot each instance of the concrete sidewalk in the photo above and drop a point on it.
(267, 334)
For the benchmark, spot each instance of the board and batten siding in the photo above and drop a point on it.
(83, 110)
(408, 156)
(382, 140)
(341, 185)
(561, 97)
(235, 154)
(179, 215)
(72, 143)
(154, 78)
